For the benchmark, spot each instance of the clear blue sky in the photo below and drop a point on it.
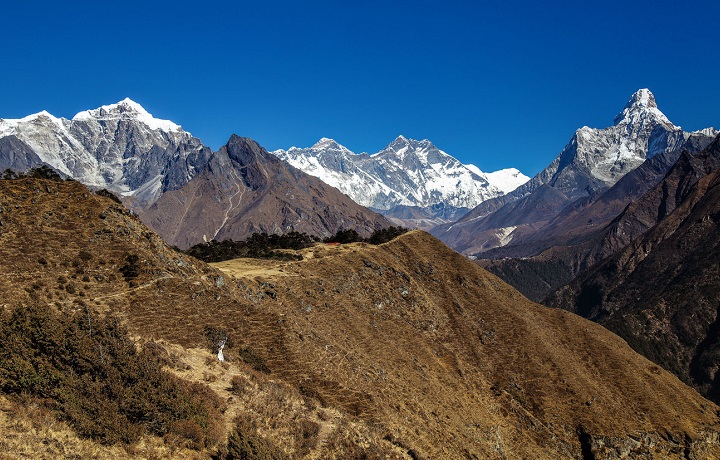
(497, 84)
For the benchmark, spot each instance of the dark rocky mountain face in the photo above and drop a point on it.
(587, 232)
(17, 155)
(593, 161)
(243, 190)
(661, 292)
(402, 350)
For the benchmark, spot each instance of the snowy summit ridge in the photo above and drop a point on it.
(92, 148)
(406, 173)
(642, 108)
(127, 109)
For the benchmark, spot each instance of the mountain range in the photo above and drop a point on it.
(659, 291)
(402, 350)
(122, 148)
(411, 181)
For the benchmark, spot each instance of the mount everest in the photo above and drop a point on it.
(406, 180)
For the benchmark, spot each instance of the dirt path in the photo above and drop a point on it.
(241, 192)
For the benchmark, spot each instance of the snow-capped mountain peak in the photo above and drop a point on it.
(506, 180)
(642, 108)
(93, 148)
(412, 152)
(407, 172)
(326, 144)
(401, 142)
(127, 109)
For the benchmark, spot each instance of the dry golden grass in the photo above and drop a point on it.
(28, 430)
(403, 350)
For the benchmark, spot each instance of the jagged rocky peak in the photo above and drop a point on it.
(406, 172)
(243, 149)
(423, 152)
(329, 145)
(642, 107)
(402, 142)
(127, 109)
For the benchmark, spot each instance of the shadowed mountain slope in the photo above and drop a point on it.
(243, 190)
(660, 292)
(410, 349)
(584, 234)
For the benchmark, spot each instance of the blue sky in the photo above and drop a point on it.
(497, 84)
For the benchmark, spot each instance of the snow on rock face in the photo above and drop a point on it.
(506, 180)
(405, 173)
(596, 158)
(127, 109)
(642, 108)
(118, 146)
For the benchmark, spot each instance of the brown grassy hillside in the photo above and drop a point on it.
(404, 350)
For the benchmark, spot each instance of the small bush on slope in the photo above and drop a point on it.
(245, 444)
(91, 372)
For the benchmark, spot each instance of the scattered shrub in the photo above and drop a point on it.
(131, 269)
(96, 379)
(308, 432)
(312, 393)
(386, 234)
(264, 246)
(216, 338)
(378, 237)
(258, 246)
(252, 359)
(245, 444)
(44, 172)
(9, 174)
(238, 384)
(345, 237)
